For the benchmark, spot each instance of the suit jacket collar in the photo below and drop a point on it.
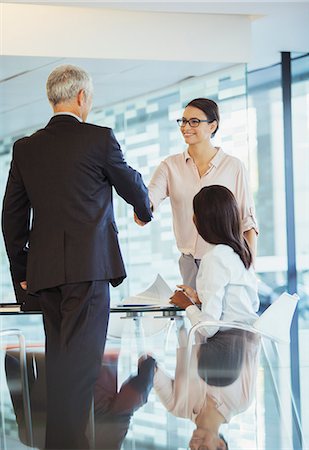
(61, 118)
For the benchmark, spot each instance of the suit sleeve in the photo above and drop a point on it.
(127, 181)
(15, 223)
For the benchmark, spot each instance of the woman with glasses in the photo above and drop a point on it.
(180, 177)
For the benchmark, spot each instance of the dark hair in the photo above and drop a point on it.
(220, 359)
(209, 108)
(217, 220)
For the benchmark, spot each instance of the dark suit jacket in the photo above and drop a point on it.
(64, 174)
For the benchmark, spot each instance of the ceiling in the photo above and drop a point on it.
(276, 26)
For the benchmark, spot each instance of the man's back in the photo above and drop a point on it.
(68, 169)
(64, 175)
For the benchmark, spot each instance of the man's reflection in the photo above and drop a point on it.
(113, 408)
(213, 385)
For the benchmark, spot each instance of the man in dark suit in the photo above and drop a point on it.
(61, 181)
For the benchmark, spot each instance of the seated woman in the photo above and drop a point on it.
(226, 282)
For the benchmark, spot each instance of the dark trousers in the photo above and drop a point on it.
(75, 322)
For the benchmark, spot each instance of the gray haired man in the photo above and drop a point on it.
(64, 173)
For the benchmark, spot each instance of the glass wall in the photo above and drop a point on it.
(265, 123)
(265, 126)
(266, 148)
(147, 130)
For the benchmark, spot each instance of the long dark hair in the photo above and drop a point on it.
(209, 108)
(217, 220)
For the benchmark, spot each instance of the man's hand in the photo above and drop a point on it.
(23, 285)
(138, 221)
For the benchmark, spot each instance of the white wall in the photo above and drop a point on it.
(40, 30)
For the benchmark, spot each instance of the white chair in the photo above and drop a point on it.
(274, 323)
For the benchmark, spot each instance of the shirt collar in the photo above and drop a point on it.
(67, 113)
(215, 160)
(186, 155)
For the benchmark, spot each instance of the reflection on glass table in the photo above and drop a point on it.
(113, 407)
(227, 369)
(214, 381)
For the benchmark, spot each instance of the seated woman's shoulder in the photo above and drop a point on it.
(222, 249)
(219, 251)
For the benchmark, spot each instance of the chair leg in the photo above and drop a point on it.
(139, 336)
(24, 382)
(25, 389)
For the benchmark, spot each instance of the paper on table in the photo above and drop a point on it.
(10, 307)
(156, 294)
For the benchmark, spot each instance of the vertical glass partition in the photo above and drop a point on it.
(265, 112)
(147, 131)
(265, 115)
(300, 129)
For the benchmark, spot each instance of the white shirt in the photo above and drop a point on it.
(227, 290)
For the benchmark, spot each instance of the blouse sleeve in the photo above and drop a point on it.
(245, 200)
(213, 277)
(158, 186)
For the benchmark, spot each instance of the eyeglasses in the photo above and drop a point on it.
(192, 122)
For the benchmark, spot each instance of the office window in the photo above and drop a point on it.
(265, 115)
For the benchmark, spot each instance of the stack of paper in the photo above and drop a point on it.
(158, 294)
(10, 307)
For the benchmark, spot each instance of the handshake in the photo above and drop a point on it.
(138, 221)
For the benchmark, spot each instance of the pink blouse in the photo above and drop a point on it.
(177, 177)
